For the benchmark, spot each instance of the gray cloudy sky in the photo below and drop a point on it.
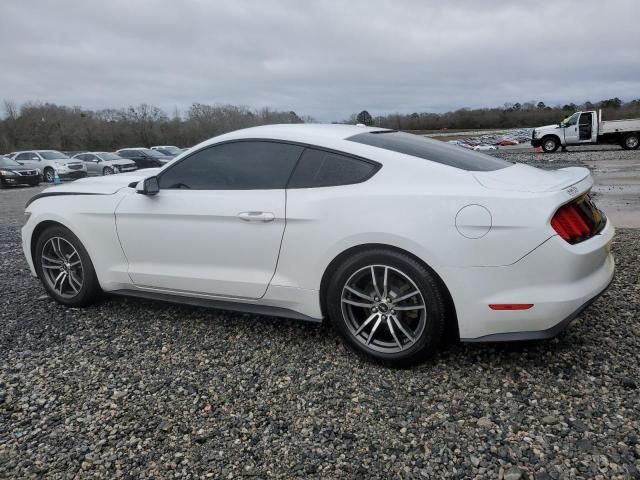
(326, 59)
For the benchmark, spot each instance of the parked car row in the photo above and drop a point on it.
(490, 141)
(42, 165)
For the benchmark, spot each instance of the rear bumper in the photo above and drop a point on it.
(559, 279)
(550, 332)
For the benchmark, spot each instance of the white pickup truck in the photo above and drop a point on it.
(587, 128)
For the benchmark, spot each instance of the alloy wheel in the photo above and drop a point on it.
(62, 267)
(383, 308)
(631, 142)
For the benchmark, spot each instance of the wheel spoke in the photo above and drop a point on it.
(52, 267)
(375, 284)
(357, 304)
(55, 261)
(402, 328)
(366, 322)
(404, 297)
(409, 308)
(393, 332)
(61, 253)
(373, 330)
(359, 294)
(60, 278)
(385, 290)
(73, 280)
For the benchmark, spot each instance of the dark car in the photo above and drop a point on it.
(13, 173)
(144, 157)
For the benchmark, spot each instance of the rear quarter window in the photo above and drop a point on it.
(319, 168)
(429, 149)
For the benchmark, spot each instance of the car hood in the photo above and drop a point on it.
(18, 168)
(124, 161)
(524, 178)
(105, 185)
(546, 128)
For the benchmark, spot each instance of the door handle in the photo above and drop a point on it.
(257, 216)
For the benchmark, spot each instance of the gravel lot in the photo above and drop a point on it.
(137, 389)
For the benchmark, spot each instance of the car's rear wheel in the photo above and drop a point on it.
(64, 267)
(387, 305)
(631, 141)
(550, 144)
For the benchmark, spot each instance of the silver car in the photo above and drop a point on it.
(50, 162)
(105, 163)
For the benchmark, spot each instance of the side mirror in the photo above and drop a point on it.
(148, 186)
(37, 159)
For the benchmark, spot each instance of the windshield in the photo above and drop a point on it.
(7, 162)
(109, 156)
(52, 155)
(153, 153)
(171, 150)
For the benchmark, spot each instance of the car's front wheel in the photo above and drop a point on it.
(64, 267)
(387, 305)
(49, 175)
(107, 171)
(550, 144)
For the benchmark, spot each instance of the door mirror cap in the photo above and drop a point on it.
(148, 186)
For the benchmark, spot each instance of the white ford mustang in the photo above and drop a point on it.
(391, 236)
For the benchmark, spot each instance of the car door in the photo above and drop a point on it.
(216, 224)
(29, 159)
(571, 134)
(93, 164)
(585, 127)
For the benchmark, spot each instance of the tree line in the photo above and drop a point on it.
(510, 115)
(46, 125)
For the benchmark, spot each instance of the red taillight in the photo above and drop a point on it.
(510, 306)
(577, 221)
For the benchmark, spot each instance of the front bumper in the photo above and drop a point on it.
(21, 179)
(559, 279)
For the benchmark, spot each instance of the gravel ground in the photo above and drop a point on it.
(137, 389)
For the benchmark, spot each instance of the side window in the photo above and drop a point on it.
(23, 156)
(82, 157)
(585, 119)
(572, 119)
(252, 165)
(317, 168)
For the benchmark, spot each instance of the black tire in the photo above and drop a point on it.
(393, 347)
(89, 290)
(550, 144)
(631, 141)
(107, 171)
(49, 175)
